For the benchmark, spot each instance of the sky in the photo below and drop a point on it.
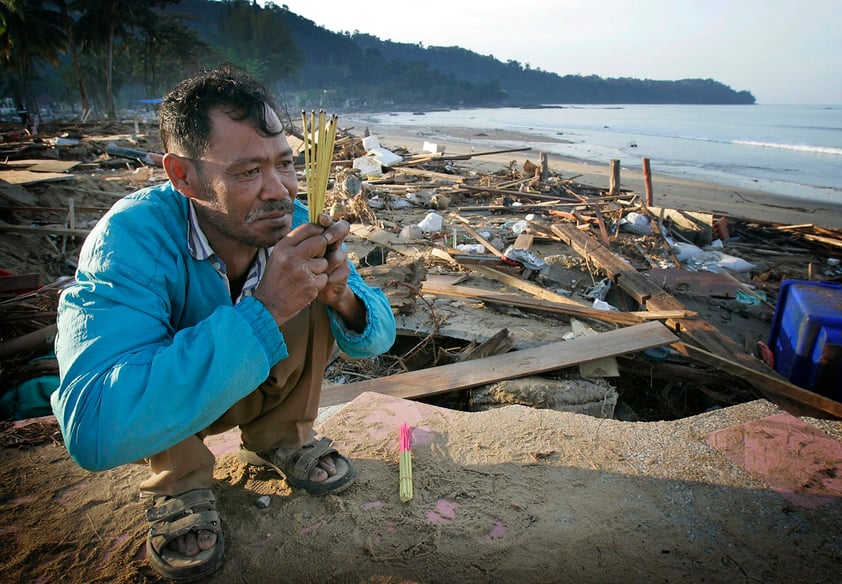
(782, 51)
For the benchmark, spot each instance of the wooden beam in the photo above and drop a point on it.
(647, 181)
(46, 230)
(701, 333)
(610, 316)
(39, 341)
(790, 397)
(435, 380)
(485, 243)
(614, 178)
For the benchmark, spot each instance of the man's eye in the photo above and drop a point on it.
(286, 166)
(250, 172)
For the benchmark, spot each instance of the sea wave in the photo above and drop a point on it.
(795, 147)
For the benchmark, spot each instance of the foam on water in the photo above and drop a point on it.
(786, 150)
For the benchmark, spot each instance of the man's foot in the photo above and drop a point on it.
(315, 466)
(185, 541)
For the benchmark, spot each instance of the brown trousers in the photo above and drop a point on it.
(279, 413)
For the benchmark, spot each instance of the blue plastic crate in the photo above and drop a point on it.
(806, 336)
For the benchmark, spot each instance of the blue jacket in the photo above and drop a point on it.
(151, 349)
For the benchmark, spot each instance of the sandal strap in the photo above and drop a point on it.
(305, 458)
(184, 504)
(162, 533)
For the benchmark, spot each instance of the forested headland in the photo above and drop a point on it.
(105, 55)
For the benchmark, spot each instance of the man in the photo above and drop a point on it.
(209, 303)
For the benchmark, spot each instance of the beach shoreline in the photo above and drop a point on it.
(667, 191)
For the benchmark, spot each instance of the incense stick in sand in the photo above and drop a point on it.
(319, 137)
(405, 464)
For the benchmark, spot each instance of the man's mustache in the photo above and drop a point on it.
(270, 208)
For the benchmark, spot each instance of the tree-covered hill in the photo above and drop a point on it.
(110, 54)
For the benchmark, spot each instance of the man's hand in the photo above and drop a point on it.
(337, 261)
(336, 293)
(296, 272)
(307, 264)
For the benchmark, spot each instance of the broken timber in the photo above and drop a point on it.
(435, 380)
(718, 348)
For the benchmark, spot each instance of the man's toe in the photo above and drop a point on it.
(318, 475)
(206, 539)
(187, 545)
(328, 464)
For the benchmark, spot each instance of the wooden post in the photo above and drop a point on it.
(614, 180)
(39, 341)
(647, 179)
(544, 165)
(71, 222)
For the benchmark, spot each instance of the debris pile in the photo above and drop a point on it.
(665, 311)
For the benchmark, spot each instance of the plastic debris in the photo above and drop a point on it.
(523, 257)
(431, 223)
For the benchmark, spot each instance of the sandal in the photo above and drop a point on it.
(172, 517)
(295, 465)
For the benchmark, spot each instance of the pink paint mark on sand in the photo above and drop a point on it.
(69, 494)
(498, 531)
(21, 500)
(310, 528)
(444, 512)
(795, 459)
(423, 436)
(114, 544)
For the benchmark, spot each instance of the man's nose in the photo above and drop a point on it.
(280, 185)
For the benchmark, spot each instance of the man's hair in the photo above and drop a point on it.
(184, 114)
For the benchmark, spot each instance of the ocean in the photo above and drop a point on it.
(789, 150)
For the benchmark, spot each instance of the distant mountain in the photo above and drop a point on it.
(528, 86)
(360, 70)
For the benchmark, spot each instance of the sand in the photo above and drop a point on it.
(667, 191)
(747, 493)
(508, 495)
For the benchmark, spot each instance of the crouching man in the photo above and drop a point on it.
(205, 304)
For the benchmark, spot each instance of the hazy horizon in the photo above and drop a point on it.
(782, 51)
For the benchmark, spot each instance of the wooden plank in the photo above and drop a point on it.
(16, 194)
(605, 367)
(600, 254)
(18, 283)
(451, 178)
(42, 164)
(435, 380)
(27, 177)
(433, 286)
(477, 236)
(610, 316)
(45, 230)
(708, 283)
(528, 287)
(523, 241)
(705, 336)
(790, 397)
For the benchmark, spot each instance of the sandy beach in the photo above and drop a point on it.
(667, 191)
(740, 493)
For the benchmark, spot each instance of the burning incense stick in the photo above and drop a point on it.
(406, 464)
(319, 137)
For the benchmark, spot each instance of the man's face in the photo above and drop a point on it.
(247, 184)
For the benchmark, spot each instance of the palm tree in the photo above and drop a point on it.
(30, 35)
(67, 22)
(104, 21)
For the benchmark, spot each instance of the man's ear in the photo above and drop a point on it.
(182, 174)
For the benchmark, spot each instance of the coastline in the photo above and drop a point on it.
(667, 191)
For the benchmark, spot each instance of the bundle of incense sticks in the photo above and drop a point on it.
(406, 463)
(319, 137)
